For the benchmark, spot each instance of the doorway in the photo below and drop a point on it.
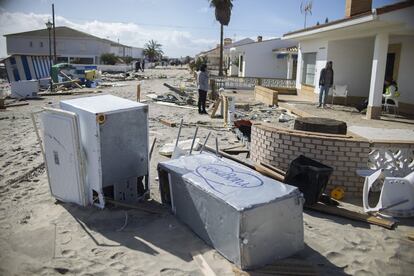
(393, 62)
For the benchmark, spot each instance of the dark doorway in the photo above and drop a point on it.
(295, 67)
(389, 69)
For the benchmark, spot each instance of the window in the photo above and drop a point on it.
(31, 43)
(309, 68)
(62, 59)
(41, 43)
(81, 60)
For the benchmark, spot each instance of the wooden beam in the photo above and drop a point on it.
(202, 264)
(341, 212)
(167, 123)
(176, 90)
(138, 92)
(74, 81)
(268, 172)
(228, 156)
(15, 104)
(138, 206)
(277, 170)
(215, 107)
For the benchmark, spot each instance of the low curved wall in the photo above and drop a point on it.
(345, 154)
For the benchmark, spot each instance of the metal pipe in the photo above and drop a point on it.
(217, 148)
(152, 147)
(192, 143)
(54, 35)
(50, 59)
(205, 142)
(179, 133)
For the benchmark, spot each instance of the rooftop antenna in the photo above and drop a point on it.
(306, 8)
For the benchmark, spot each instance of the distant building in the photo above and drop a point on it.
(72, 46)
(213, 55)
(29, 51)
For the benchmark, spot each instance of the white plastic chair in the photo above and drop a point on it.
(396, 198)
(391, 100)
(340, 91)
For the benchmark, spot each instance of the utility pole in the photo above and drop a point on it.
(49, 27)
(54, 34)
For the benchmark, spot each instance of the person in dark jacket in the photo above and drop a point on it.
(325, 83)
(202, 85)
(137, 65)
(143, 65)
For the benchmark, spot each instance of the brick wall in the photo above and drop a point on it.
(345, 154)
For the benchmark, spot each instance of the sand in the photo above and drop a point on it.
(41, 236)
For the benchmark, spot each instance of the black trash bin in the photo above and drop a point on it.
(310, 176)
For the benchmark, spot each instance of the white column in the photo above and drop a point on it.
(299, 69)
(379, 62)
(289, 67)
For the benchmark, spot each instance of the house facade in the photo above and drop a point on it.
(366, 47)
(213, 55)
(72, 46)
(273, 58)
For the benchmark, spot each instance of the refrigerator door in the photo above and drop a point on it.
(63, 156)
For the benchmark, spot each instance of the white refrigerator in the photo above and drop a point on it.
(96, 148)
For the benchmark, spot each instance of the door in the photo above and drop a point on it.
(63, 155)
(389, 68)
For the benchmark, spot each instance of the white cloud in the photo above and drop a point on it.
(175, 43)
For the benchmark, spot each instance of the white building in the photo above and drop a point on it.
(366, 47)
(273, 58)
(213, 55)
(29, 51)
(72, 46)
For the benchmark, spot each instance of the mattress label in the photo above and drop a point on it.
(216, 175)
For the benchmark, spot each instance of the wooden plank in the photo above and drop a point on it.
(265, 95)
(268, 172)
(15, 104)
(138, 206)
(341, 212)
(277, 170)
(167, 123)
(138, 92)
(228, 156)
(233, 147)
(215, 107)
(176, 90)
(202, 264)
(77, 84)
(236, 151)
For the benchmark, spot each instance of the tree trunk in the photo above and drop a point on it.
(221, 51)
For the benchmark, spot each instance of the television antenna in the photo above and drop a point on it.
(306, 8)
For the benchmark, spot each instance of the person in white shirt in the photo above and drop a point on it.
(202, 85)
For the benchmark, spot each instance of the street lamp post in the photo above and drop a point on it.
(49, 28)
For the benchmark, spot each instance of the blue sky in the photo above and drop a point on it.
(183, 27)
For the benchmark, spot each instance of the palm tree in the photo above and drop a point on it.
(223, 14)
(153, 50)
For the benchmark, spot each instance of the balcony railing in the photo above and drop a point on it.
(250, 83)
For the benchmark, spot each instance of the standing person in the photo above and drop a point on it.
(325, 83)
(137, 65)
(202, 85)
(143, 64)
